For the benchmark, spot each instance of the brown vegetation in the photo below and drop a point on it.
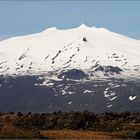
(74, 134)
(10, 132)
(70, 125)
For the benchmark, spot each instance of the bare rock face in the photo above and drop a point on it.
(73, 74)
(108, 69)
(84, 39)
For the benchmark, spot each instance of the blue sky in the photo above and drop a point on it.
(25, 17)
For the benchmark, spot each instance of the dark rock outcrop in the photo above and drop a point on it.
(73, 74)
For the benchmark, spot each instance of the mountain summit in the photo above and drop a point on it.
(78, 48)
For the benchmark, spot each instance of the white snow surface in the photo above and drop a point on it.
(55, 49)
(88, 91)
(131, 98)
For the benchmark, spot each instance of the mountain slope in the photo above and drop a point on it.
(76, 69)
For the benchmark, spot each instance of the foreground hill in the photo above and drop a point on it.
(76, 125)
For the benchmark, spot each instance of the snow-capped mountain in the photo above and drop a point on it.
(75, 69)
(83, 48)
